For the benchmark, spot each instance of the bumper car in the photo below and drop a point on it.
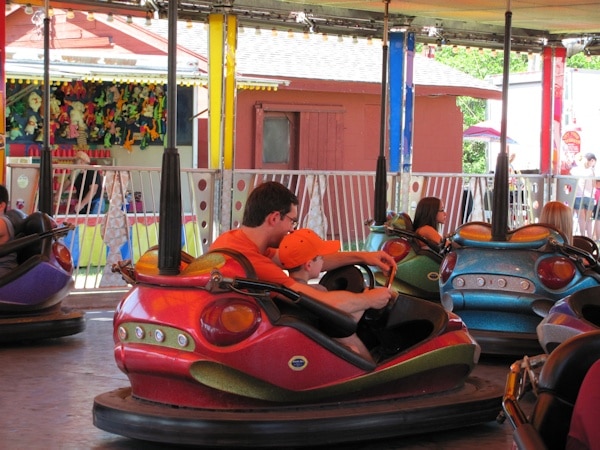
(216, 357)
(557, 389)
(502, 289)
(576, 314)
(418, 261)
(31, 293)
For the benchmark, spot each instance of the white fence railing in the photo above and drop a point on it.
(338, 205)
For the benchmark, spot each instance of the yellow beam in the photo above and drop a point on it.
(230, 91)
(216, 26)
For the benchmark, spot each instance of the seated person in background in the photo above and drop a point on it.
(560, 216)
(7, 233)
(429, 215)
(301, 253)
(270, 214)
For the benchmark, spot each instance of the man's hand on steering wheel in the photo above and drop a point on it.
(380, 259)
(379, 297)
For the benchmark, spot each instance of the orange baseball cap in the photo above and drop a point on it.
(303, 245)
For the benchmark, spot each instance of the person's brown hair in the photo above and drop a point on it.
(426, 212)
(559, 216)
(3, 194)
(266, 198)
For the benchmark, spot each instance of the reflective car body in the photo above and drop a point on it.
(31, 294)
(575, 314)
(418, 263)
(502, 289)
(222, 358)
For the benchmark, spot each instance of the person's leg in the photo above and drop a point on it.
(583, 208)
(577, 230)
(596, 221)
(589, 225)
(587, 218)
(95, 206)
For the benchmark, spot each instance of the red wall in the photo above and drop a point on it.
(437, 132)
(437, 135)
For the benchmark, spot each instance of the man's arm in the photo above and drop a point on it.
(352, 303)
(88, 197)
(380, 259)
(4, 234)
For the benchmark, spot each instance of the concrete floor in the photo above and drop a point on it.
(48, 389)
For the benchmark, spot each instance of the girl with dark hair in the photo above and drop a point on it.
(430, 213)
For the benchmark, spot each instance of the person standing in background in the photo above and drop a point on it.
(584, 192)
(88, 186)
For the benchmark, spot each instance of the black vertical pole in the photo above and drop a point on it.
(381, 172)
(45, 186)
(169, 232)
(500, 200)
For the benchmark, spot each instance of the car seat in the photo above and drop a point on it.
(30, 250)
(559, 384)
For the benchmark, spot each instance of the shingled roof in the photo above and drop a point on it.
(294, 56)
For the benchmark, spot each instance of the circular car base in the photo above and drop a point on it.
(477, 401)
(55, 324)
(506, 343)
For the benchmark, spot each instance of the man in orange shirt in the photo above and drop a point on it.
(271, 213)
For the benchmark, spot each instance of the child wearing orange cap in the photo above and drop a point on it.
(301, 254)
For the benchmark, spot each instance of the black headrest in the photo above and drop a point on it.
(567, 365)
(16, 217)
(36, 223)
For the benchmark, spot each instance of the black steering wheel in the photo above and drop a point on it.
(349, 278)
(352, 278)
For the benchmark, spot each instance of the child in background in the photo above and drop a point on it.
(559, 216)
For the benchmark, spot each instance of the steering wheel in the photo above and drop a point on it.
(352, 278)
(378, 317)
(590, 259)
(587, 244)
(348, 278)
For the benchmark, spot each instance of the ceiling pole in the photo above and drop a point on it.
(45, 186)
(500, 200)
(169, 231)
(381, 172)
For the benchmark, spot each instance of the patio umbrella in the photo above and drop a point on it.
(486, 131)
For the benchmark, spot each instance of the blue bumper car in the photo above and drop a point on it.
(503, 289)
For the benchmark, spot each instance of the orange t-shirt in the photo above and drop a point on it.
(430, 233)
(266, 269)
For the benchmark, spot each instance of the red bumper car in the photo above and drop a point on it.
(216, 357)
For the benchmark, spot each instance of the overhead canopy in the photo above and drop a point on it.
(460, 22)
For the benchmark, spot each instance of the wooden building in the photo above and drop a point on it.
(301, 103)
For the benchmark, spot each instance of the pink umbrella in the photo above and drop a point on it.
(486, 131)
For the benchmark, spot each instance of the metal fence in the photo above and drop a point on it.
(337, 205)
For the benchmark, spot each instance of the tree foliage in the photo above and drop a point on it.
(482, 63)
